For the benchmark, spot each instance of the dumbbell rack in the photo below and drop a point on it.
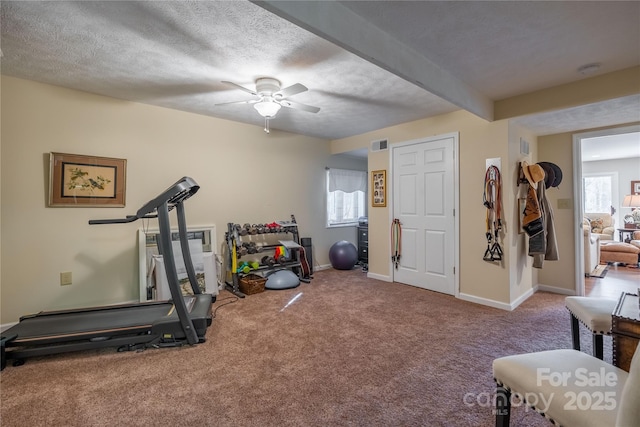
(235, 239)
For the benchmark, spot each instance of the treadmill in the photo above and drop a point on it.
(181, 320)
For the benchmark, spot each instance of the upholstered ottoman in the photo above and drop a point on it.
(619, 252)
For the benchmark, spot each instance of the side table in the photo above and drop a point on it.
(625, 329)
(622, 232)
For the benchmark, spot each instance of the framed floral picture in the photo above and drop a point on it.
(379, 188)
(86, 181)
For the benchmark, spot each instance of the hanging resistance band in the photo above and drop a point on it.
(492, 201)
(396, 242)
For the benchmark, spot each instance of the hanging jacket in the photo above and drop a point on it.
(532, 220)
(550, 252)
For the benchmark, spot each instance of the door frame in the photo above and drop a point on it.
(456, 198)
(578, 213)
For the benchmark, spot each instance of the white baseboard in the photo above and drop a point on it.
(379, 277)
(369, 274)
(498, 304)
(522, 298)
(555, 290)
(485, 301)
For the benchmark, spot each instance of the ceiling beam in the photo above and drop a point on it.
(614, 85)
(334, 22)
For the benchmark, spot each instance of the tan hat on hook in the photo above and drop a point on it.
(533, 173)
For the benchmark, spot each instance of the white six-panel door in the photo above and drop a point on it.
(424, 201)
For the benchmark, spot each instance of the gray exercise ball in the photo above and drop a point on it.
(343, 255)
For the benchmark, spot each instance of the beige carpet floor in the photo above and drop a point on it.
(348, 351)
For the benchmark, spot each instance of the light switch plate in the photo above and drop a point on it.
(565, 204)
(66, 278)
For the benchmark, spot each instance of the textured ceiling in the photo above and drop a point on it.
(175, 55)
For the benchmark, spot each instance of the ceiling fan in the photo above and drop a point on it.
(270, 98)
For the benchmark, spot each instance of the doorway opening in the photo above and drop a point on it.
(595, 170)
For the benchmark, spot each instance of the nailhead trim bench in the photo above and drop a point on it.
(570, 388)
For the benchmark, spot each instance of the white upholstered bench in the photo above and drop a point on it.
(570, 388)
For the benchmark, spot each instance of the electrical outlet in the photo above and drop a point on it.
(65, 278)
(565, 204)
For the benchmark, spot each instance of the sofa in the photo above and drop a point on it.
(601, 224)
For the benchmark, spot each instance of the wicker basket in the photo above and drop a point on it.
(252, 284)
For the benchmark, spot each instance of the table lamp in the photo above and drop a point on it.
(632, 220)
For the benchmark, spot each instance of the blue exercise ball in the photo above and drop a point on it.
(343, 255)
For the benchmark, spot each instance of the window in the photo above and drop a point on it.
(598, 193)
(346, 196)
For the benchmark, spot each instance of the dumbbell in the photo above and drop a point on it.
(241, 231)
(244, 268)
(268, 261)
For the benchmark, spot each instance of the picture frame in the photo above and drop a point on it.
(635, 187)
(77, 180)
(379, 188)
(522, 203)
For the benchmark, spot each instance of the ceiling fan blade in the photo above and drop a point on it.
(299, 106)
(251, 101)
(291, 90)
(237, 86)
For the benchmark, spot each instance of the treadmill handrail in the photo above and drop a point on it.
(177, 193)
(129, 218)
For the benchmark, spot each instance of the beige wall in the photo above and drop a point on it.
(561, 274)
(244, 175)
(479, 140)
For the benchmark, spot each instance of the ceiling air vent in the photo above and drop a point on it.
(380, 145)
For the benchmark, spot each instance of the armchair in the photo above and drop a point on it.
(591, 250)
(635, 239)
(601, 224)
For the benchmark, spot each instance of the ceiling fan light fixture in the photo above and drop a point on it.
(267, 109)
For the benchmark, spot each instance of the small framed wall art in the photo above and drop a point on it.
(379, 188)
(635, 187)
(86, 181)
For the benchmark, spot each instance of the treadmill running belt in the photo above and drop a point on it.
(94, 323)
